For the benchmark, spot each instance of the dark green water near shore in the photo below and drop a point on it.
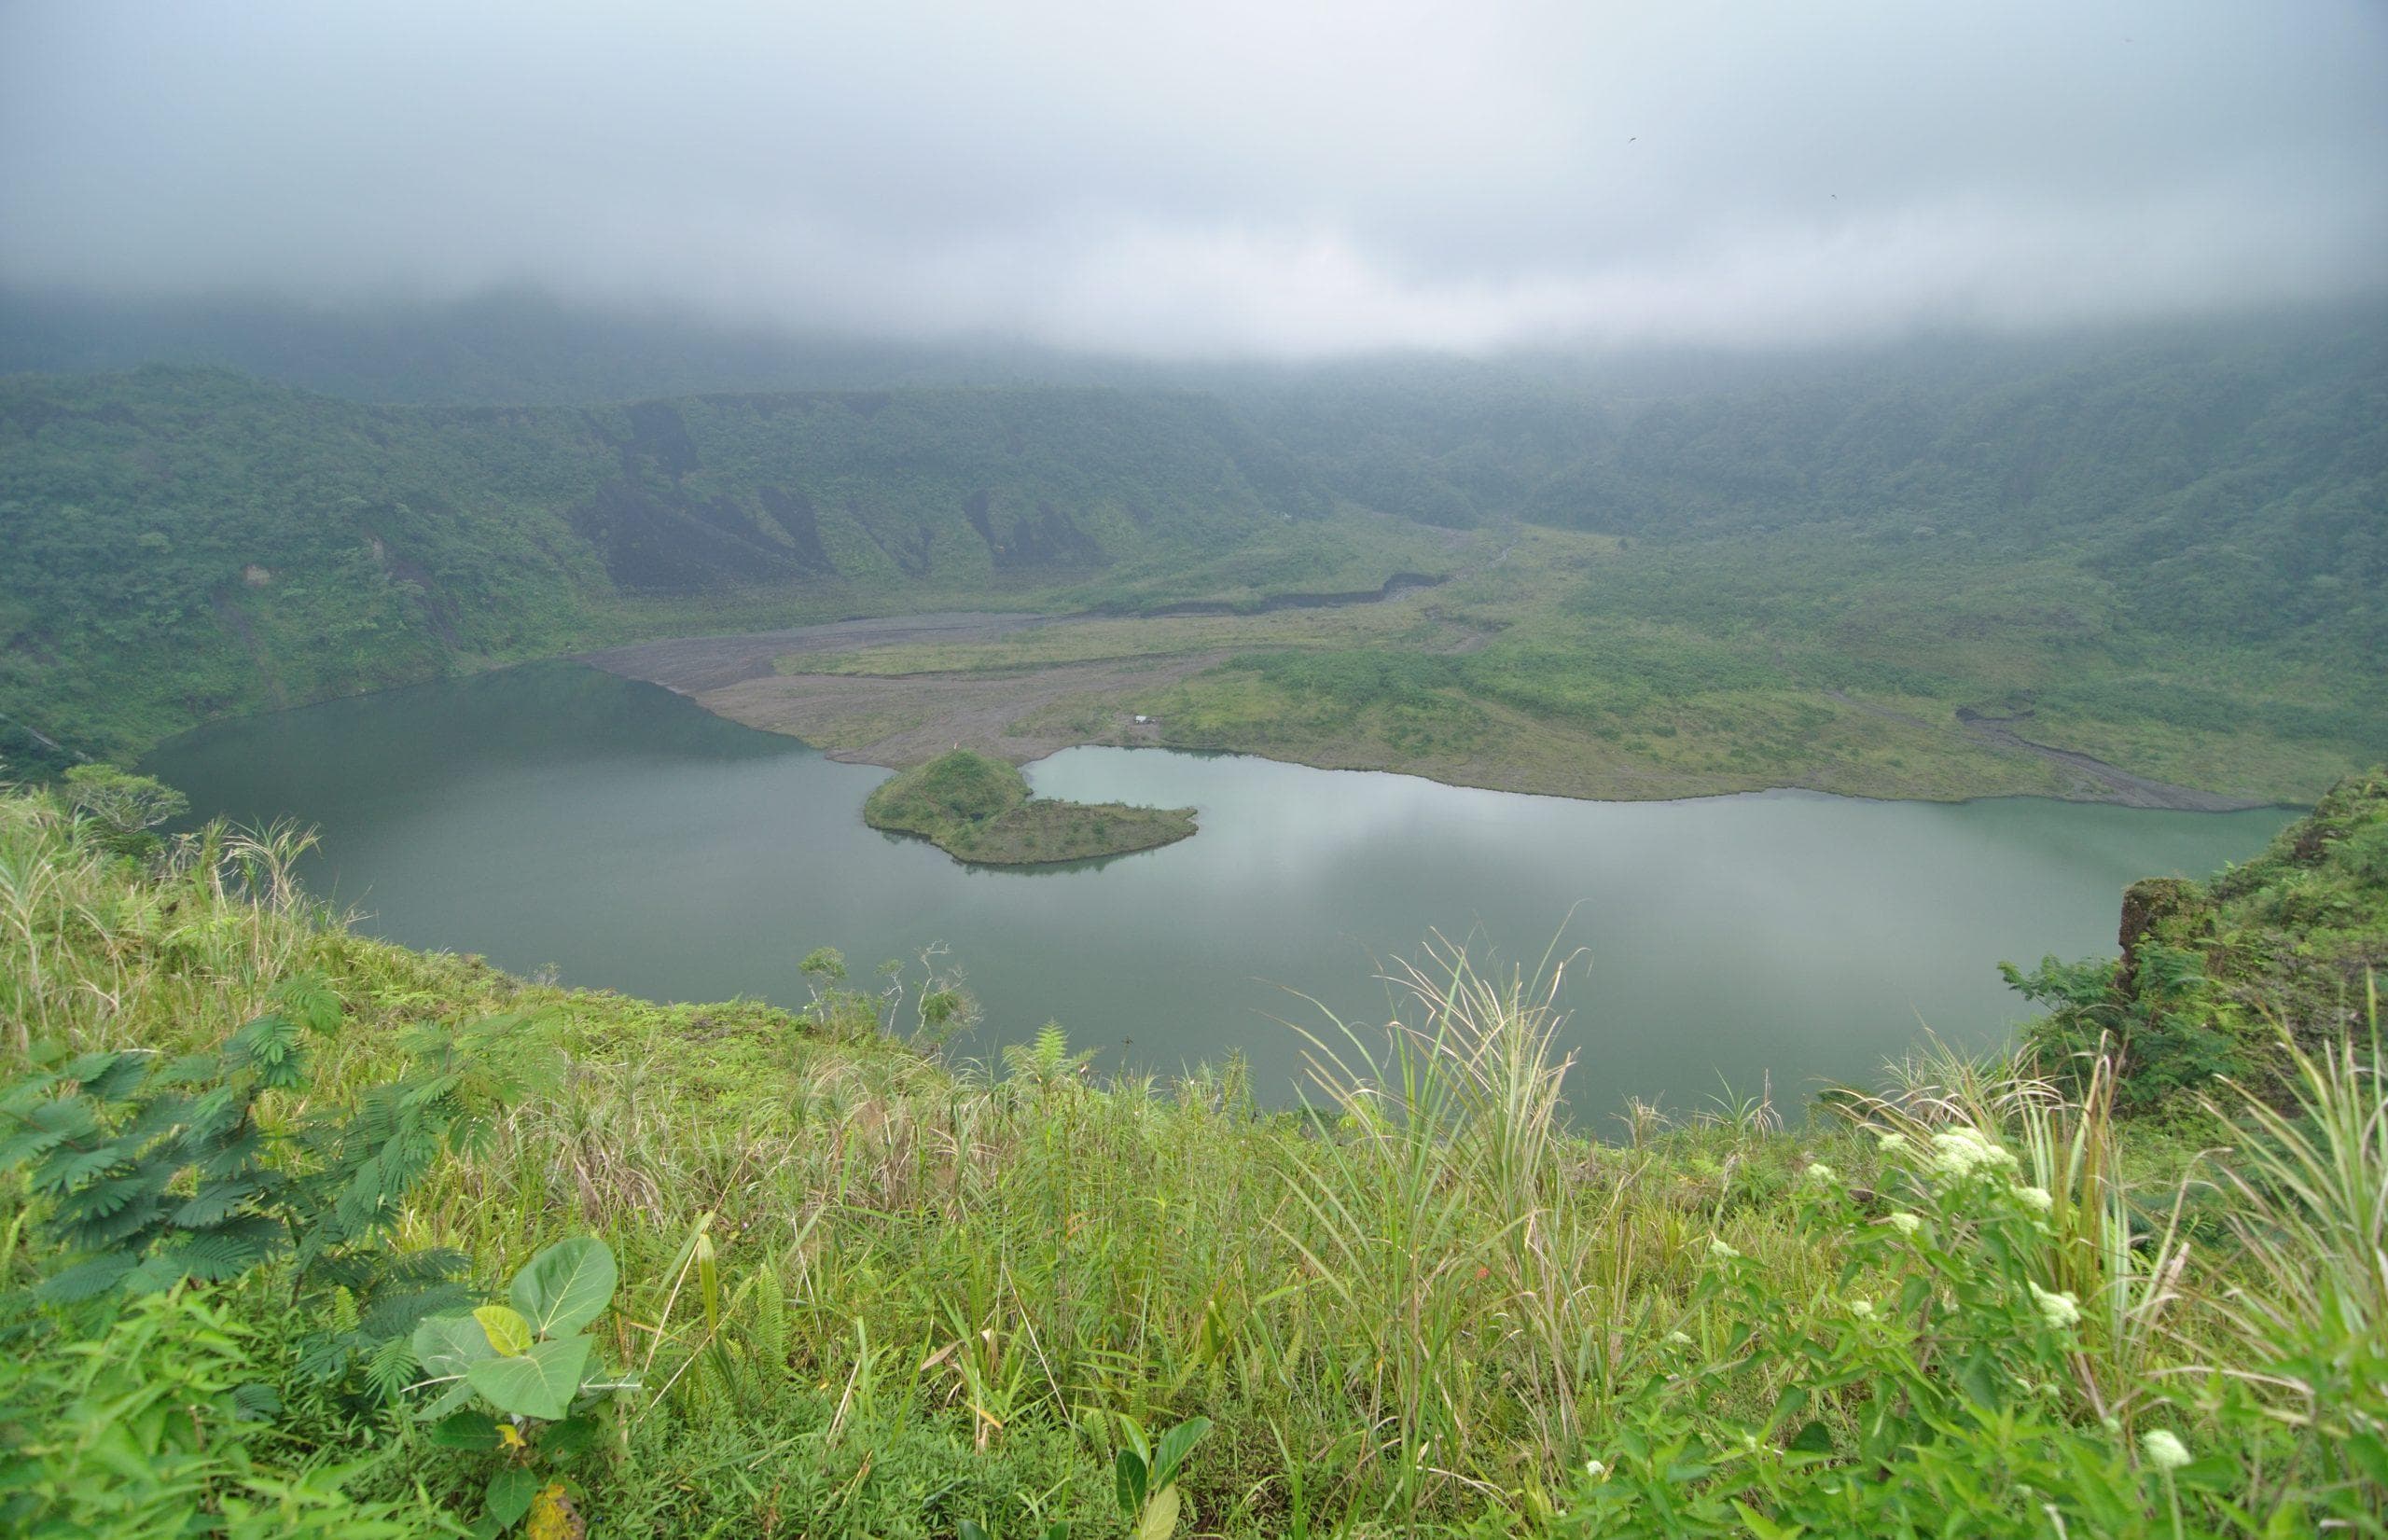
(554, 815)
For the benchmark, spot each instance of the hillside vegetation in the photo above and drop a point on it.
(2162, 551)
(188, 545)
(978, 809)
(2234, 976)
(741, 1270)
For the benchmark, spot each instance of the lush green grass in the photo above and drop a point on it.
(978, 809)
(870, 1290)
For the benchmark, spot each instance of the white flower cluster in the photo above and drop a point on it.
(1722, 1250)
(1822, 1173)
(2056, 1309)
(1906, 1223)
(1964, 1152)
(2164, 1449)
(2035, 1199)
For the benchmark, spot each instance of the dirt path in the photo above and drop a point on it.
(2115, 784)
(693, 665)
(699, 665)
(2094, 780)
(904, 719)
(901, 720)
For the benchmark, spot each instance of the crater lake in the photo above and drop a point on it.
(553, 817)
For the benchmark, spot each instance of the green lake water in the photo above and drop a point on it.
(557, 816)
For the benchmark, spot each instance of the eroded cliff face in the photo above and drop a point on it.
(2156, 905)
(2214, 973)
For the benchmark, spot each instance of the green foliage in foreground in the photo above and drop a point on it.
(522, 1384)
(139, 1432)
(864, 1292)
(978, 809)
(2221, 978)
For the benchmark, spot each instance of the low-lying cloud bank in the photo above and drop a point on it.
(1242, 182)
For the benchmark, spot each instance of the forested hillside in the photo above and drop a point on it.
(184, 544)
(2225, 476)
(2169, 549)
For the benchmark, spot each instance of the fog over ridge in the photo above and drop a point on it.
(1242, 180)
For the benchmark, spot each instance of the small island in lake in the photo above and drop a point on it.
(979, 809)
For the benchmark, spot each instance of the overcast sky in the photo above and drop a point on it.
(1218, 177)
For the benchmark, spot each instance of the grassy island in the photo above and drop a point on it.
(978, 809)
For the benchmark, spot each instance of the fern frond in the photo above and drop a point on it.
(68, 1170)
(118, 1079)
(771, 1322)
(398, 1315)
(389, 1368)
(85, 1280)
(427, 1265)
(229, 1251)
(309, 1001)
(215, 1201)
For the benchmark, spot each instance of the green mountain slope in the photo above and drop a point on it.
(2166, 550)
(185, 544)
(2231, 477)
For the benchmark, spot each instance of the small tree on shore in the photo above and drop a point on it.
(125, 806)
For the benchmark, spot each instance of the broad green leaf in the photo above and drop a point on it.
(540, 1383)
(510, 1491)
(574, 1435)
(566, 1286)
(476, 1430)
(1764, 1528)
(1159, 1520)
(448, 1345)
(1174, 1445)
(2368, 1452)
(1815, 1439)
(1979, 1378)
(509, 1333)
(1129, 1468)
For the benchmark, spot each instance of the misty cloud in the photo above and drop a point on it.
(1237, 178)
